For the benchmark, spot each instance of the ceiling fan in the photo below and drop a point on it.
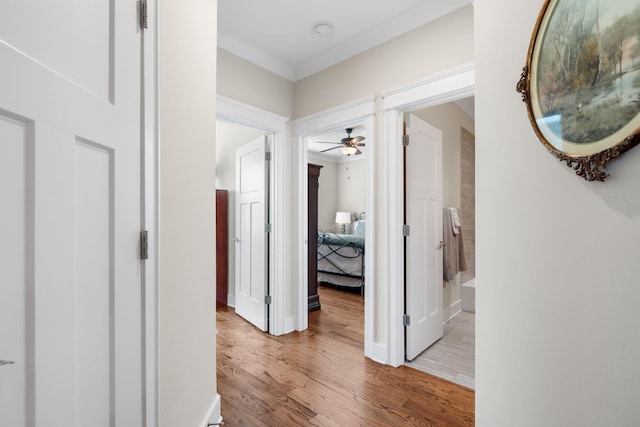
(349, 144)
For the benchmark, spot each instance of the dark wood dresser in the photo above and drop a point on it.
(314, 298)
(222, 246)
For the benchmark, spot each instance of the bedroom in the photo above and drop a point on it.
(340, 207)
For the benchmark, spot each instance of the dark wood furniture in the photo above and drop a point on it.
(314, 298)
(222, 247)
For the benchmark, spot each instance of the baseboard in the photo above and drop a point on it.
(289, 324)
(214, 418)
(451, 311)
(379, 353)
(231, 300)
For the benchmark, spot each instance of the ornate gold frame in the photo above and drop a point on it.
(590, 166)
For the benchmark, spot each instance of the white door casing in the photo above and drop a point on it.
(70, 314)
(423, 251)
(445, 86)
(250, 233)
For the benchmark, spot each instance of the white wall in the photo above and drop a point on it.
(351, 191)
(557, 274)
(449, 118)
(186, 294)
(229, 137)
(342, 188)
(246, 82)
(436, 46)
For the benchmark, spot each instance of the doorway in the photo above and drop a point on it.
(247, 123)
(453, 356)
(337, 217)
(452, 85)
(359, 114)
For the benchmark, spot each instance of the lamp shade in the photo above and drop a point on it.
(349, 150)
(343, 218)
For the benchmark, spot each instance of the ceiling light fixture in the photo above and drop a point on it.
(349, 150)
(323, 29)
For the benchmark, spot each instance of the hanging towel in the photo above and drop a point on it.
(455, 220)
(453, 257)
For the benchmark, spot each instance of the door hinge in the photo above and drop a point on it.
(405, 140)
(406, 320)
(406, 230)
(267, 156)
(143, 15)
(144, 245)
(268, 228)
(267, 299)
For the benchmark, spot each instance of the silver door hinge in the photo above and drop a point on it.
(267, 299)
(143, 15)
(406, 230)
(406, 320)
(405, 140)
(268, 228)
(144, 245)
(267, 156)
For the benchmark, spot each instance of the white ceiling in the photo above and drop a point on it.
(279, 36)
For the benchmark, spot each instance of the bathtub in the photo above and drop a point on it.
(468, 296)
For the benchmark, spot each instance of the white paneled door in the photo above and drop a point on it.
(70, 214)
(423, 251)
(250, 233)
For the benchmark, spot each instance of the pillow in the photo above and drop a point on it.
(359, 228)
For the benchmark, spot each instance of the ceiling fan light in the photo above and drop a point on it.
(348, 150)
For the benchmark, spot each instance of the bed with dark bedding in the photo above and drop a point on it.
(341, 260)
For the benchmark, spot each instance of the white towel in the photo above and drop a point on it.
(455, 221)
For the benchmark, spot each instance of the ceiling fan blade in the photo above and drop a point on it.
(360, 145)
(357, 139)
(327, 142)
(358, 152)
(329, 149)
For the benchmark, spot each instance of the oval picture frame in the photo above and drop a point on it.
(581, 83)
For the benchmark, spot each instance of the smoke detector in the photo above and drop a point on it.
(323, 29)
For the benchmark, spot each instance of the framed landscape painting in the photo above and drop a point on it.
(581, 83)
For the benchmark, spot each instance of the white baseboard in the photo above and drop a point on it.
(289, 324)
(379, 353)
(214, 417)
(231, 300)
(451, 311)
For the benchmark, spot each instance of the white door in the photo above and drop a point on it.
(70, 308)
(250, 234)
(423, 254)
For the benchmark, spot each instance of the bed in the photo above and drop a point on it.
(341, 260)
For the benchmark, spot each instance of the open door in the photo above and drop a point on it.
(423, 247)
(71, 344)
(251, 232)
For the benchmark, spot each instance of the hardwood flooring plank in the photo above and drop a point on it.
(320, 376)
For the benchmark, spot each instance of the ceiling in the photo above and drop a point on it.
(279, 35)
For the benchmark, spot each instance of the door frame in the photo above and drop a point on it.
(360, 112)
(151, 210)
(440, 88)
(236, 112)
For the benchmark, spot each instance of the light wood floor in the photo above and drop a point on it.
(321, 377)
(453, 356)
